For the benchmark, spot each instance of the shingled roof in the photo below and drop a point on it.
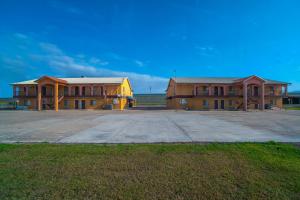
(221, 80)
(83, 80)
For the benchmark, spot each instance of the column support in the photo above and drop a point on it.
(92, 90)
(39, 97)
(225, 88)
(69, 91)
(209, 90)
(27, 92)
(56, 96)
(80, 90)
(285, 91)
(245, 96)
(262, 106)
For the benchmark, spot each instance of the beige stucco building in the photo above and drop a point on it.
(251, 92)
(51, 93)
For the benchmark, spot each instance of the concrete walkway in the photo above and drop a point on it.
(148, 126)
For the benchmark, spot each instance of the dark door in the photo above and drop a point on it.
(216, 91)
(76, 91)
(76, 104)
(222, 104)
(83, 91)
(216, 104)
(82, 104)
(44, 91)
(222, 91)
(255, 91)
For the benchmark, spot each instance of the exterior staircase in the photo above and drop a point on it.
(60, 98)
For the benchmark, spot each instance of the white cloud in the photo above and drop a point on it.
(206, 50)
(55, 61)
(139, 63)
(20, 36)
(94, 60)
(59, 5)
(50, 48)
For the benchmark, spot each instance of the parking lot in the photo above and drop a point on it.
(138, 126)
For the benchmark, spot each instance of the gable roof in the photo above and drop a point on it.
(220, 80)
(83, 80)
(52, 79)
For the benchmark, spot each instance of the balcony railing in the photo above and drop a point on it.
(232, 93)
(48, 96)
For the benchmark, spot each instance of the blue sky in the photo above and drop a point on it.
(148, 40)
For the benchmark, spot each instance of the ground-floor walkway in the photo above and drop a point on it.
(144, 126)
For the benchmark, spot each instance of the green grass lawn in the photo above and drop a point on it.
(158, 171)
(292, 108)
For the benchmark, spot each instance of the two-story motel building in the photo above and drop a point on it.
(246, 93)
(48, 93)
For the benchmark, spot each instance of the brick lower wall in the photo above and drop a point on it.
(197, 103)
(100, 102)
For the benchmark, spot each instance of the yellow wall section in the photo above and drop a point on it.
(123, 89)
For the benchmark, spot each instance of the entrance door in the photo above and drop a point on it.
(222, 91)
(216, 91)
(216, 104)
(222, 104)
(76, 104)
(77, 91)
(255, 91)
(82, 104)
(44, 91)
(83, 91)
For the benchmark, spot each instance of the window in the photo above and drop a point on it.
(66, 103)
(230, 88)
(17, 91)
(27, 103)
(205, 103)
(66, 91)
(272, 91)
(93, 102)
(183, 101)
